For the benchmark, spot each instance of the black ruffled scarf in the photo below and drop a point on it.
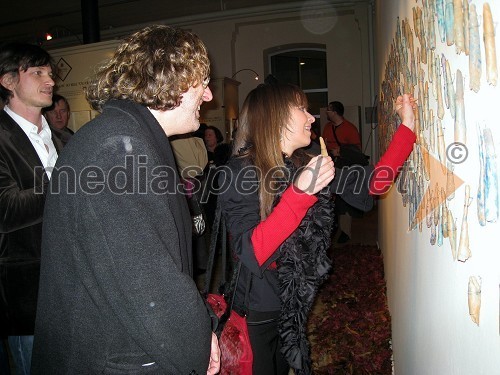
(303, 264)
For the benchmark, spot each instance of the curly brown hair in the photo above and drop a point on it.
(152, 67)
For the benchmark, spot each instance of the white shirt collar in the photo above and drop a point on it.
(41, 142)
(28, 127)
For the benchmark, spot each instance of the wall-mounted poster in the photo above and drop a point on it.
(75, 65)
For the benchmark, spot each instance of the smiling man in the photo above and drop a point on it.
(27, 155)
(116, 287)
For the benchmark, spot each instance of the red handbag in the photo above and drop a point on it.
(234, 341)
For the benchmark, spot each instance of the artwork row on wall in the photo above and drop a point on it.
(445, 57)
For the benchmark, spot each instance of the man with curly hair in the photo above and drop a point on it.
(116, 288)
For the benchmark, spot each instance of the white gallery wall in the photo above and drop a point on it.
(433, 332)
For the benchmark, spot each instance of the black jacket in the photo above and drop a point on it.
(22, 179)
(287, 291)
(240, 206)
(116, 287)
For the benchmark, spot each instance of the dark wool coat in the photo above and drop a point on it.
(116, 289)
(21, 209)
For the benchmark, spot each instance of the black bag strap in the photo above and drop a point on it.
(225, 288)
(218, 226)
(335, 133)
(229, 300)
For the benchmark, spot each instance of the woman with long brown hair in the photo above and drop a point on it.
(276, 201)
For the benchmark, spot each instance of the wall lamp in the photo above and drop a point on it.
(60, 32)
(254, 72)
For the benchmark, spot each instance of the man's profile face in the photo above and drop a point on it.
(329, 114)
(184, 118)
(31, 88)
(59, 116)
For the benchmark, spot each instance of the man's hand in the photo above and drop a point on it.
(214, 364)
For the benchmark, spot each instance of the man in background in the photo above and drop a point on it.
(57, 116)
(338, 131)
(27, 155)
(191, 157)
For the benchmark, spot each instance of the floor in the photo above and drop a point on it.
(364, 230)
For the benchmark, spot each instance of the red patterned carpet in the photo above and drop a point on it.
(350, 326)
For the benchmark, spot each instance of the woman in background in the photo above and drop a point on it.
(218, 152)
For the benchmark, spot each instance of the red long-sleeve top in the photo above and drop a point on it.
(270, 233)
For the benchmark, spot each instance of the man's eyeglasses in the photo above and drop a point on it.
(205, 82)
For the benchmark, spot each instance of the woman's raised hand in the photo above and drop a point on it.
(317, 174)
(405, 106)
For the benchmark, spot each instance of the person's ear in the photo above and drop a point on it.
(8, 81)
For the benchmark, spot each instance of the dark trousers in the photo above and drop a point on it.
(4, 358)
(267, 359)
